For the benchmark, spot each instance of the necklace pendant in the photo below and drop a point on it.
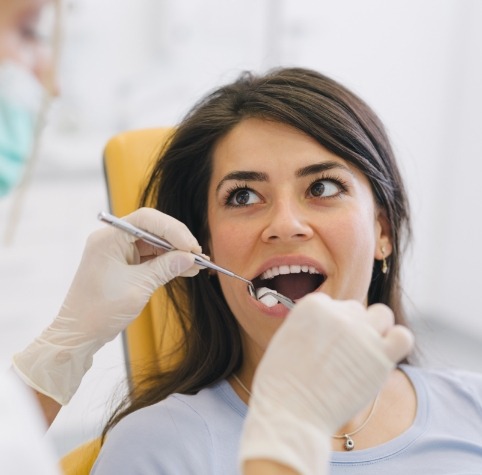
(349, 443)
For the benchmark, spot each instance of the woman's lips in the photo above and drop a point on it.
(277, 311)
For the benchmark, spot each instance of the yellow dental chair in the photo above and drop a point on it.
(128, 158)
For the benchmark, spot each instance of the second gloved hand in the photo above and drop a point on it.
(113, 283)
(325, 363)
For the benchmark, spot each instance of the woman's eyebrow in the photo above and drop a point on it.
(245, 175)
(320, 167)
(242, 175)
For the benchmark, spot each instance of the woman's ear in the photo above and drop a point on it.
(383, 236)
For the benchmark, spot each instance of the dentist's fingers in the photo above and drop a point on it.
(380, 317)
(165, 227)
(398, 343)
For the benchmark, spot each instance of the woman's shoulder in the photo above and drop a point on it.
(181, 429)
(187, 411)
(448, 383)
(447, 374)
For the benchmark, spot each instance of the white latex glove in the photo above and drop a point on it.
(114, 281)
(325, 363)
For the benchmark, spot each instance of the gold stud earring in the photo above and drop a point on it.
(384, 261)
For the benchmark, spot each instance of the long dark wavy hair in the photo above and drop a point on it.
(178, 185)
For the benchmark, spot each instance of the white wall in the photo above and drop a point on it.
(134, 64)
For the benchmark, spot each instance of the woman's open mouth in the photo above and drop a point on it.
(293, 281)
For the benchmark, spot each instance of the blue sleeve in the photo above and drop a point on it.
(157, 440)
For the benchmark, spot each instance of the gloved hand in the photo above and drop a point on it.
(114, 281)
(325, 363)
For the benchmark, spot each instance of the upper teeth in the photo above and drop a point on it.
(292, 269)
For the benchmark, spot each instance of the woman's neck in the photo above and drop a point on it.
(393, 414)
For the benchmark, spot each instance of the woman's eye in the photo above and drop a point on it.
(324, 189)
(242, 197)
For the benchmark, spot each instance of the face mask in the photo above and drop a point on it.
(20, 102)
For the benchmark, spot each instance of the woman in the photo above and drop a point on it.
(289, 180)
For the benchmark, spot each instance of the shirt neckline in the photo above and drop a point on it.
(227, 392)
(405, 439)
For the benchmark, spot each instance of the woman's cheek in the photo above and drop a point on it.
(228, 245)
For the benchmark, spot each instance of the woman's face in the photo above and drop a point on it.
(24, 25)
(280, 203)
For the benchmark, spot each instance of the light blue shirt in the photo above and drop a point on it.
(445, 437)
(181, 435)
(200, 434)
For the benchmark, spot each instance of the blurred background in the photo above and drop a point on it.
(131, 64)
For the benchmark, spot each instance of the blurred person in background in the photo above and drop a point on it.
(27, 80)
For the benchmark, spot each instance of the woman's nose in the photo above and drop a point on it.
(287, 222)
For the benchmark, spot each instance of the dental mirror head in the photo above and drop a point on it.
(269, 297)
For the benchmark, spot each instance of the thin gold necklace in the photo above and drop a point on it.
(248, 392)
(349, 442)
